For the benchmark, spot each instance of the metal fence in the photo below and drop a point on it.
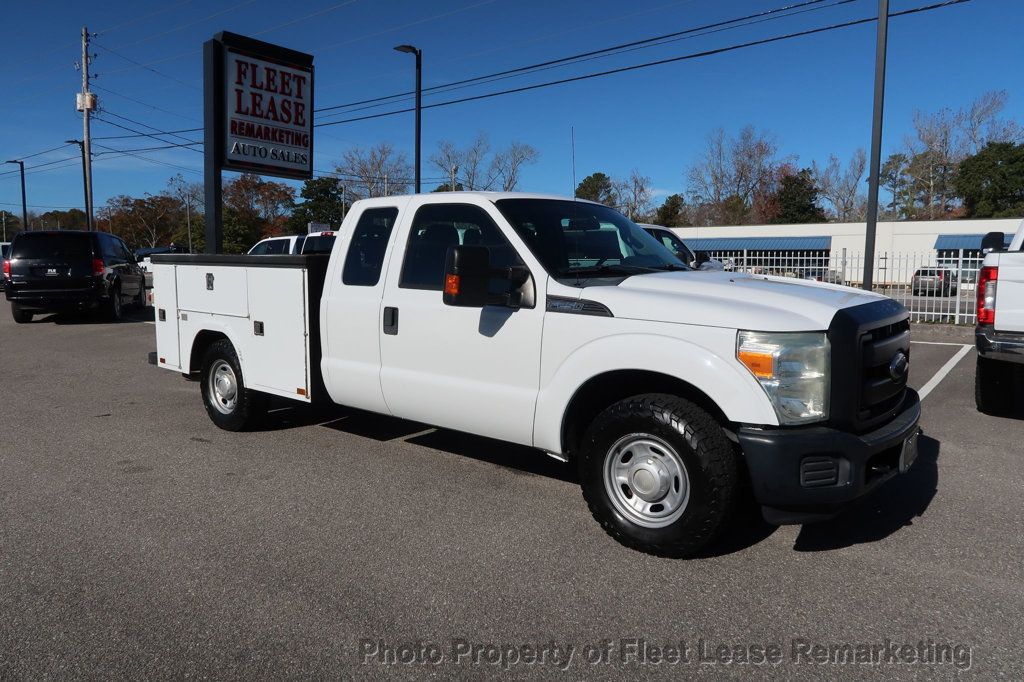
(935, 286)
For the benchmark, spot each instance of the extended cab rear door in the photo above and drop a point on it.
(470, 369)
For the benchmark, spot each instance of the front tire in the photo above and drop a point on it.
(994, 386)
(20, 315)
(229, 403)
(659, 474)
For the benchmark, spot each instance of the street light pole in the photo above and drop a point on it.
(24, 206)
(409, 49)
(85, 183)
(876, 145)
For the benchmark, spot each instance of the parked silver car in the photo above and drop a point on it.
(934, 282)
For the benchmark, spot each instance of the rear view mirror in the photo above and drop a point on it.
(467, 272)
(993, 241)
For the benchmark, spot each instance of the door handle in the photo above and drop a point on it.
(390, 320)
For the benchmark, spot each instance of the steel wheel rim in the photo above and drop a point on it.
(646, 480)
(223, 387)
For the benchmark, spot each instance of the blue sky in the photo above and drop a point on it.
(813, 93)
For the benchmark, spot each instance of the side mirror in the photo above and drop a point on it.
(993, 241)
(467, 272)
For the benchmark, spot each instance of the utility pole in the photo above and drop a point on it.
(24, 205)
(86, 104)
(876, 144)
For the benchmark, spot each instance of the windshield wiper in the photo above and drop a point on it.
(623, 268)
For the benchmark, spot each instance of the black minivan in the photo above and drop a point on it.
(70, 270)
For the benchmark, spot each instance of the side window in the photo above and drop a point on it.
(111, 252)
(276, 247)
(437, 227)
(366, 248)
(299, 241)
(126, 254)
(259, 250)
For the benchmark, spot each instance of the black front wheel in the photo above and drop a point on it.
(659, 474)
(229, 403)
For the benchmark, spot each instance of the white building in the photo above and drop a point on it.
(901, 247)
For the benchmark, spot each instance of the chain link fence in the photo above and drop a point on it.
(936, 286)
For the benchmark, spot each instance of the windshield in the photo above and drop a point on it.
(580, 238)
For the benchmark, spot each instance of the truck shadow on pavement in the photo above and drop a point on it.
(130, 316)
(891, 507)
(517, 458)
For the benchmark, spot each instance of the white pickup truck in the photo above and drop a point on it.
(561, 325)
(999, 334)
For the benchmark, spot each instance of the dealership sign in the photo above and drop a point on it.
(262, 107)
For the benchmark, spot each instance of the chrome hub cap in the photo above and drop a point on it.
(223, 387)
(646, 480)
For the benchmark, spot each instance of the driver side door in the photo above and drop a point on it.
(470, 369)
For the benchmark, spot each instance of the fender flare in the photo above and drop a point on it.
(734, 391)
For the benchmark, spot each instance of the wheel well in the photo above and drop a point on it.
(203, 340)
(606, 389)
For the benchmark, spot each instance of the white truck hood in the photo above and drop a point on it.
(727, 299)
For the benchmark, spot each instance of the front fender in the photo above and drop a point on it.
(729, 385)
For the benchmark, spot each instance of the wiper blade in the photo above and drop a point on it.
(624, 268)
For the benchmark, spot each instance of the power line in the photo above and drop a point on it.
(659, 62)
(592, 53)
(145, 158)
(144, 134)
(143, 66)
(145, 104)
(145, 125)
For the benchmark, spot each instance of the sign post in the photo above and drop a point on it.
(258, 117)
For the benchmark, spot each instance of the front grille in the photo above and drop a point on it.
(865, 340)
(880, 393)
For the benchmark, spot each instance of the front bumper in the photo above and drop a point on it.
(810, 473)
(1007, 346)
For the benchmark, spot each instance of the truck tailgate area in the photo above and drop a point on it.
(267, 306)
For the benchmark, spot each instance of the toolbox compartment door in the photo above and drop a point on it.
(165, 306)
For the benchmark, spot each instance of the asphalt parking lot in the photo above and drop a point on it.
(138, 540)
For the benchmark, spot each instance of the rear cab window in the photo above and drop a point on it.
(369, 243)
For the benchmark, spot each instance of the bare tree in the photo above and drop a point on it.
(474, 164)
(633, 195)
(475, 168)
(448, 161)
(380, 170)
(731, 172)
(507, 163)
(981, 123)
(841, 187)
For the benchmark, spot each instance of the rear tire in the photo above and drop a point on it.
(994, 386)
(20, 315)
(229, 403)
(114, 310)
(659, 474)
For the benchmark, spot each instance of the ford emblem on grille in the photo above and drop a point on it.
(898, 367)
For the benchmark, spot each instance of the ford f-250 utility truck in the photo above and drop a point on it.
(561, 325)
(999, 333)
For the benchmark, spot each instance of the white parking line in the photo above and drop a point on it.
(938, 343)
(945, 369)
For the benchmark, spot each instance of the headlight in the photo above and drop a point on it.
(792, 368)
